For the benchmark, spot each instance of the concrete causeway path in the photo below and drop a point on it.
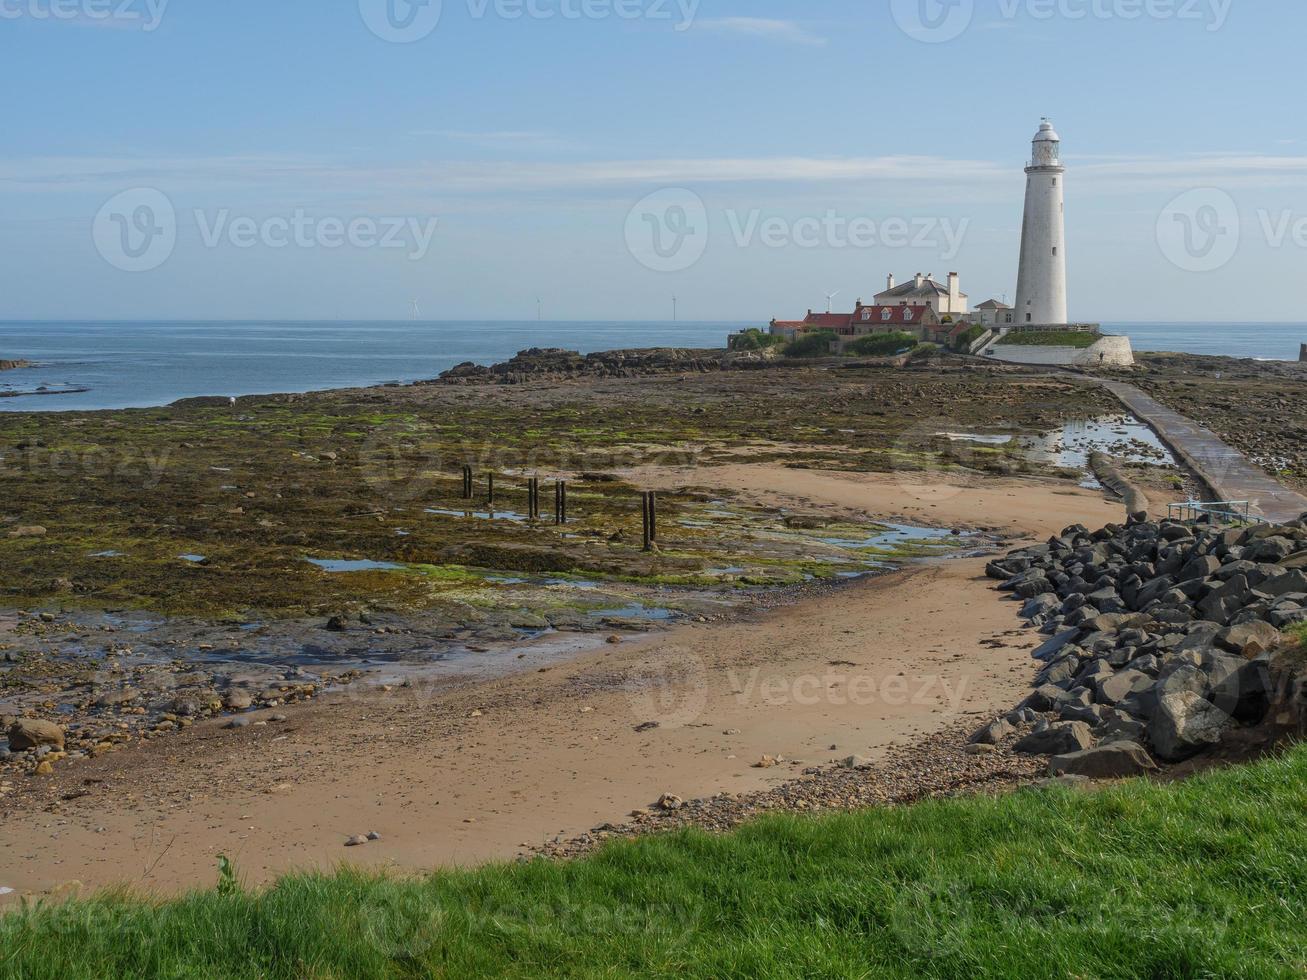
(1225, 470)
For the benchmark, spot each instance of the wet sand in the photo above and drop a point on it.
(474, 771)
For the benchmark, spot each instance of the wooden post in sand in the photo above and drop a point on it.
(467, 483)
(560, 502)
(1302, 353)
(490, 494)
(533, 498)
(649, 518)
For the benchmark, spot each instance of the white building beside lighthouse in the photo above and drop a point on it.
(1041, 282)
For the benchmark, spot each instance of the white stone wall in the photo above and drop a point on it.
(1108, 352)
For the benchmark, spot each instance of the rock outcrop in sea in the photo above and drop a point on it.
(556, 364)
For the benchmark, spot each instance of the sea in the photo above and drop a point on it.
(102, 364)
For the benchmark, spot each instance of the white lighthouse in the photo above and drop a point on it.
(1041, 283)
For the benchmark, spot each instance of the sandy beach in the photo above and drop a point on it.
(474, 771)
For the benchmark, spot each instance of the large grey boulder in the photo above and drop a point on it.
(1239, 687)
(1121, 685)
(1185, 725)
(1060, 672)
(1034, 586)
(1295, 581)
(1116, 761)
(1041, 605)
(1200, 568)
(1250, 639)
(1051, 648)
(1059, 739)
(1091, 715)
(1044, 698)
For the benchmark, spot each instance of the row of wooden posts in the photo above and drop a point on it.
(648, 503)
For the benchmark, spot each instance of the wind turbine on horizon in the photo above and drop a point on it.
(540, 309)
(417, 310)
(830, 298)
(675, 300)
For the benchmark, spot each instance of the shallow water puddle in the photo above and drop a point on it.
(1123, 437)
(339, 565)
(480, 515)
(636, 610)
(897, 535)
(984, 440)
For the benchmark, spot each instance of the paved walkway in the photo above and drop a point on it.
(1226, 471)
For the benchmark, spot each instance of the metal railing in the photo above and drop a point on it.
(1227, 511)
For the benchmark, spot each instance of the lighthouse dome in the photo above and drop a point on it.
(1047, 134)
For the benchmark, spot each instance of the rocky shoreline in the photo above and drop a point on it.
(557, 364)
(1165, 641)
(14, 365)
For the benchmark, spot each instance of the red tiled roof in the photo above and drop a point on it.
(899, 315)
(828, 321)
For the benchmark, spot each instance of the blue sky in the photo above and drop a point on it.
(507, 153)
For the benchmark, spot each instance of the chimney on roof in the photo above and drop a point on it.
(891, 281)
(920, 280)
(954, 290)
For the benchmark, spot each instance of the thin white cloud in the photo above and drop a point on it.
(501, 139)
(787, 31)
(951, 178)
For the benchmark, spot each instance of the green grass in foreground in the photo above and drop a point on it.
(1205, 878)
(1051, 338)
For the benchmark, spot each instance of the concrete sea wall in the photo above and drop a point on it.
(1108, 352)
